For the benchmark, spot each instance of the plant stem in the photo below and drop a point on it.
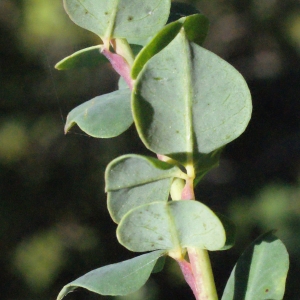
(198, 272)
(119, 64)
(188, 190)
(122, 48)
(205, 288)
(188, 275)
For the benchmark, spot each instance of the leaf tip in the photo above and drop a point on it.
(57, 66)
(67, 127)
(66, 290)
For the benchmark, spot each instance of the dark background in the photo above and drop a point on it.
(54, 225)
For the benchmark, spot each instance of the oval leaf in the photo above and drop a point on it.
(135, 20)
(261, 271)
(134, 180)
(105, 116)
(194, 102)
(171, 226)
(118, 279)
(85, 58)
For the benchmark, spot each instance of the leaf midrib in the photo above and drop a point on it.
(158, 178)
(188, 101)
(112, 22)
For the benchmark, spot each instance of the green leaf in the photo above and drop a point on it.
(260, 272)
(160, 41)
(230, 230)
(122, 84)
(105, 116)
(159, 265)
(118, 279)
(196, 27)
(187, 101)
(88, 57)
(136, 49)
(134, 20)
(171, 226)
(134, 180)
(203, 163)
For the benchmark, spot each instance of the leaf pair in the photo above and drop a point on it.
(138, 189)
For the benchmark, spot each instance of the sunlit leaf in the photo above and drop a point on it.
(196, 28)
(171, 226)
(261, 271)
(187, 100)
(118, 279)
(104, 116)
(134, 20)
(134, 180)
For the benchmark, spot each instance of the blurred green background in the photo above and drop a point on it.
(54, 225)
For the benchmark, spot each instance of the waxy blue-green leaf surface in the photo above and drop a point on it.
(196, 28)
(85, 58)
(171, 225)
(118, 279)
(187, 100)
(134, 180)
(260, 272)
(104, 116)
(134, 20)
(122, 84)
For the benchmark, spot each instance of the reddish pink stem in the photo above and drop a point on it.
(120, 65)
(188, 190)
(160, 157)
(187, 272)
(197, 276)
